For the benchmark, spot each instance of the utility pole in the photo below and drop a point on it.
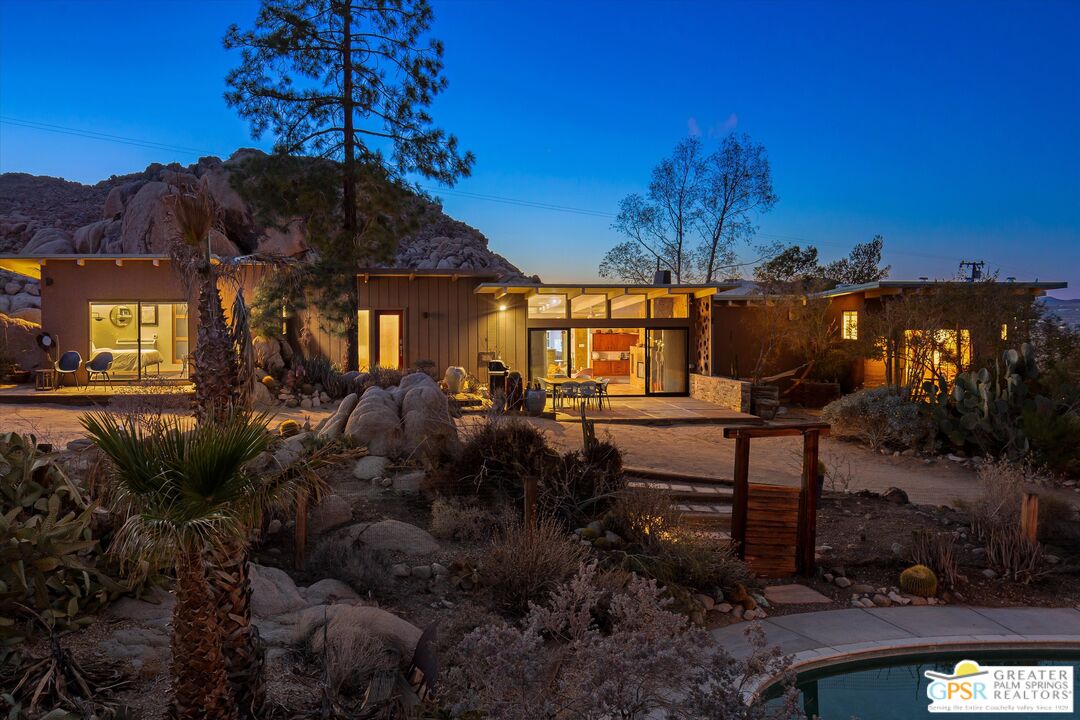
(976, 269)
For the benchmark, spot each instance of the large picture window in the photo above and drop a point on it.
(144, 339)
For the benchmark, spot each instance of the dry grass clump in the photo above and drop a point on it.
(936, 551)
(349, 660)
(522, 565)
(995, 520)
(457, 519)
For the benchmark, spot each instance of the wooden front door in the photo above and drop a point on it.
(389, 336)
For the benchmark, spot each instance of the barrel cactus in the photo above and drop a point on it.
(919, 580)
(269, 382)
(288, 428)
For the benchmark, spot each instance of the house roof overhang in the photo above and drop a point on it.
(30, 265)
(612, 290)
(899, 287)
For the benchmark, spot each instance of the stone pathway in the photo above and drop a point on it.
(822, 638)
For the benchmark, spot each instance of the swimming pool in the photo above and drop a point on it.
(894, 688)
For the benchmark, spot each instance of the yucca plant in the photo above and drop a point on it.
(185, 496)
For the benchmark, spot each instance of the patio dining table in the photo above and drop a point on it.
(557, 381)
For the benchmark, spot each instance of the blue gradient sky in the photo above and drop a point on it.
(951, 129)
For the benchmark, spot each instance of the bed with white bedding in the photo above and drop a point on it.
(130, 357)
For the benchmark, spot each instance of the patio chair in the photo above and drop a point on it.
(588, 392)
(602, 391)
(68, 364)
(99, 365)
(568, 391)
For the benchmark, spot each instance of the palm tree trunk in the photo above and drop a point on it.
(200, 684)
(244, 657)
(216, 372)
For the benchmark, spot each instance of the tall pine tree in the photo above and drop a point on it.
(349, 80)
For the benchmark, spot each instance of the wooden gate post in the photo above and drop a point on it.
(808, 505)
(1029, 516)
(741, 495)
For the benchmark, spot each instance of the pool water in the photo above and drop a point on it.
(895, 688)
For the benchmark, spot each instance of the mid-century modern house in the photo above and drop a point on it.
(655, 339)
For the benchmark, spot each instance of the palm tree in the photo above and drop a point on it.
(185, 496)
(216, 373)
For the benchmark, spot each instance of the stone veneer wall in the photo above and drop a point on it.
(725, 392)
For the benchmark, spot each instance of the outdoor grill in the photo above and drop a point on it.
(497, 372)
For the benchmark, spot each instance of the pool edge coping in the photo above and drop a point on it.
(807, 660)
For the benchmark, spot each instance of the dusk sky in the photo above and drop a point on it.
(950, 128)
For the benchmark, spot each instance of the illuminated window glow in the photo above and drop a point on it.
(849, 326)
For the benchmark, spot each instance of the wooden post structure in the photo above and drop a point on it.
(1029, 516)
(741, 495)
(300, 531)
(808, 505)
(530, 504)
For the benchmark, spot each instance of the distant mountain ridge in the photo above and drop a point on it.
(1067, 310)
(126, 214)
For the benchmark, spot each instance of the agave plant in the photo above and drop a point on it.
(185, 496)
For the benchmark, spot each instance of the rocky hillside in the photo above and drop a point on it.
(126, 214)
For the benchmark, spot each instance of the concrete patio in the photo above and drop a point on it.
(817, 639)
(655, 411)
(96, 394)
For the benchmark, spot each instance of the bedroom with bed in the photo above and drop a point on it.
(146, 339)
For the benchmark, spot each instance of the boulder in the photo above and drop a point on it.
(88, 239)
(336, 423)
(156, 609)
(273, 592)
(29, 314)
(261, 395)
(896, 496)
(416, 379)
(328, 591)
(19, 343)
(118, 198)
(49, 241)
(141, 646)
(394, 536)
(13, 287)
(370, 467)
(23, 300)
(287, 241)
(333, 511)
(267, 353)
(343, 623)
(147, 222)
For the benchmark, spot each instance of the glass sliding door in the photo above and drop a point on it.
(549, 353)
(668, 365)
(389, 338)
(145, 339)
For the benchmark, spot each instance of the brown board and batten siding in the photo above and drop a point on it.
(446, 321)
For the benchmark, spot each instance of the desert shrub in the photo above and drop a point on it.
(995, 520)
(497, 455)
(879, 418)
(660, 546)
(50, 561)
(523, 565)
(650, 662)
(1058, 520)
(461, 520)
(384, 377)
(1055, 440)
(428, 367)
(582, 484)
(351, 562)
(937, 551)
